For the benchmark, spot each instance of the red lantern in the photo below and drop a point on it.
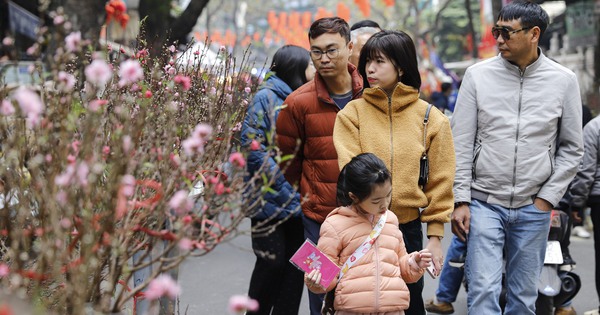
(343, 11)
(389, 3)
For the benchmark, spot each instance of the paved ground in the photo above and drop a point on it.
(208, 282)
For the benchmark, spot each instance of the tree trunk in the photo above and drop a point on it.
(184, 24)
(160, 29)
(86, 16)
(471, 28)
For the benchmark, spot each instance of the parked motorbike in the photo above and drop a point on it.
(557, 284)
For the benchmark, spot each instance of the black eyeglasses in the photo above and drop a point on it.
(505, 32)
(331, 53)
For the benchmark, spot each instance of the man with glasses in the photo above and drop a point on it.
(305, 126)
(518, 141)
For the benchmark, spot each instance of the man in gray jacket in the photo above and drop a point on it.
(585, 188)
(517, 135)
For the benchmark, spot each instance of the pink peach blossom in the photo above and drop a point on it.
(65, 178)
(126, 143)
(186, 244)
(98, 72)
(240, 303)
(4, 270)
(254, 145)
(83, 171)
(130, 71)
(31, 105)
(66, 81)
(184, 81)
(195, 143)
(128, 184)
(95, 105)
(180, 202)
(7, 108)
(73, 41)
(59, 19)
(8, 41)
(238, 159)
(163, 285)
(61, 198)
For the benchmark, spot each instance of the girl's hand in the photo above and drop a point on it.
(313, 281)
(424, 258)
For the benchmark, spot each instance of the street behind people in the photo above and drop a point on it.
(375, 283)
(277, 229)
(517, 133)
(305, 125)
(389, 122)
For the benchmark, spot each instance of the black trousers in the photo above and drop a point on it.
(413, 240)
(595, 214)
(275, 283)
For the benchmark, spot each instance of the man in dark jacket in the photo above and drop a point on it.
(440, 98)
(305, 125)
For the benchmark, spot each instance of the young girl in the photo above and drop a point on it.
(375, 284)
(388, 121)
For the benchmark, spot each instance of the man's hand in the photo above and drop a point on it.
(461, 220)
(437, 254)
(542, 204)
(575, 215)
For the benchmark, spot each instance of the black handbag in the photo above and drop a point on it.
(424, 162)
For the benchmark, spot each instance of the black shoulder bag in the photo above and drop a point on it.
(424, 163)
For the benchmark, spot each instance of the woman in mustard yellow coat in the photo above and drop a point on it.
(389, 122)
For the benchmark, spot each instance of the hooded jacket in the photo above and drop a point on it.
(376, 282)
(391, 127)
(281, 200)
(517, 133)
(305, 131)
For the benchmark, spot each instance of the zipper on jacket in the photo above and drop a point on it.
(514, 179)
(377, 280)
(551, 160)
(474, 165)
(391, 132)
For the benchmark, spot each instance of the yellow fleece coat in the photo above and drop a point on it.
(392, 129)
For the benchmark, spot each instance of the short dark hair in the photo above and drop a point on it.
(289, 64)
(446, 86)
(531, 14)
(332, 25)
(399, 48)
(359, 176)
(364, 23)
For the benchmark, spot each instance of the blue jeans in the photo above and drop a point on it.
(523, 233)
(451, 277)
(311, 231)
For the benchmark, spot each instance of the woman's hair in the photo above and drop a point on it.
(399, 48)
(359, 176)
(289, 64)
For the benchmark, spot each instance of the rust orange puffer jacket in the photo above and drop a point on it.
(305, 130)
(377, 281)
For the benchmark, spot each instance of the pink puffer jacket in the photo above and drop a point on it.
(376, 282)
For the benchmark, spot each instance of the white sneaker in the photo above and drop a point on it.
(592, 312)
(580, 231)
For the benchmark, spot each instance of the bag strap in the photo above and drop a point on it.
(365, 246)
(425, 122)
